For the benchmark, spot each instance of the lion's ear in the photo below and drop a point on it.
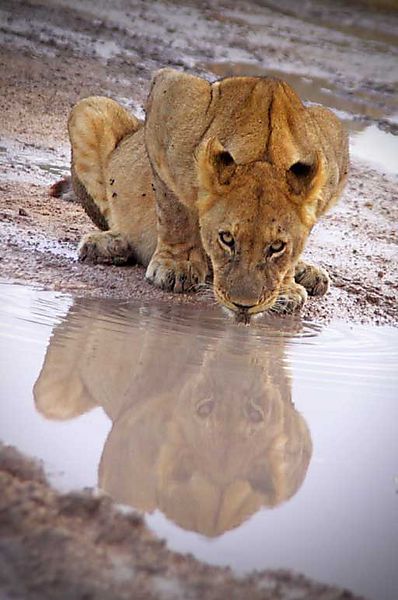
(306, 180)
(215, 165)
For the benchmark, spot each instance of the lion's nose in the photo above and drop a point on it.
(244, 293)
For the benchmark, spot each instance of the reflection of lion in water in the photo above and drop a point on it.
(208, 445)
(233, 173)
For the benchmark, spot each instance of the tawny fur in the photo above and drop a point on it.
(241, 155)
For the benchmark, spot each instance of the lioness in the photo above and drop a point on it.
(225, 179)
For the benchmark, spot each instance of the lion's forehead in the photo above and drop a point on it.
(264, 224)
(253, 203)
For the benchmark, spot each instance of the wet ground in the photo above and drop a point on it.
(300, 474)
(265, 447)
(78, 545)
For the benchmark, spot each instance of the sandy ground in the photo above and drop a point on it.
(78, 547)
(53, 52)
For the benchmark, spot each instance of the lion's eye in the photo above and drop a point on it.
(276, 247)
(227, 239)
(205, 408)
(254, 413)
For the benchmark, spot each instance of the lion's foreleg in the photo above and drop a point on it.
(179, 261)
(305, 280)
(292, 296)
(106, 247)
(314, 279)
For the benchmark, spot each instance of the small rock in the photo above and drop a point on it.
(23, 213)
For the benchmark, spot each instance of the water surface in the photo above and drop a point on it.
(269, 446)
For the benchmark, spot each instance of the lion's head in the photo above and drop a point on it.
(254, 221)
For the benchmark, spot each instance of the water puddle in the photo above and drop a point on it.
(342, 18)
(30, 163)
(375, 144)
(378, 147)
(269, 446)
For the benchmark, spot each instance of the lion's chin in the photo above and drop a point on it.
(240, 317)
(244, 316)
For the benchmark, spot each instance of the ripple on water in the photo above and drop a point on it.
(332, 353)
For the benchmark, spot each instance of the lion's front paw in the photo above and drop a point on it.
(105, 247)
(315, 279)
(176, 275)
(291, 298)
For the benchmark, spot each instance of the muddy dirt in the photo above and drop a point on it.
(59, 547)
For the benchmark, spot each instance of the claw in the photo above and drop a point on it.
(173, 275)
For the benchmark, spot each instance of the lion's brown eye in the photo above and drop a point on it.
(276, 247)
(227, 239)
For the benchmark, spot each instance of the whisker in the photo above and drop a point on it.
(280, 304)
(201, 288)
